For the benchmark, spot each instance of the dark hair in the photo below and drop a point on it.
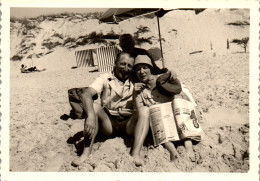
(118, 56)
(127, 42)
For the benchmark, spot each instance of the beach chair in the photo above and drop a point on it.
(106, 57)
(84, 58)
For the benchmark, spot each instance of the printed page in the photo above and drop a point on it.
(163, 123)
(186, 120)
(157, 125)
(169, 122)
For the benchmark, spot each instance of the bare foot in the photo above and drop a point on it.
(174, 155)
(137, 160)
(198, 158)
(173, 151)
(191, 155)
(189, 150)
(78, 161)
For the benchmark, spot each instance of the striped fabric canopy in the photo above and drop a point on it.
(84, 58)
(106, 57)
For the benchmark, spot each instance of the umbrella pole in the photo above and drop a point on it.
(158, 23)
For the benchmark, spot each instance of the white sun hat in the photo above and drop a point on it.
(143, 59)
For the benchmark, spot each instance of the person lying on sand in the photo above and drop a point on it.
(29, 70)
(147, 94)
(114, 116)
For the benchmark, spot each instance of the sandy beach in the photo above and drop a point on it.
(218, 79)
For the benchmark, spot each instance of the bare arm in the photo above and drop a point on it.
(87, 102)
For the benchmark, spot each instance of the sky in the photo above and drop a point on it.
(34, 12)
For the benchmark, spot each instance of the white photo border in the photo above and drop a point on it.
(253, 5)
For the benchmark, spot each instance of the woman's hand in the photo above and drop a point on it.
(139, 87)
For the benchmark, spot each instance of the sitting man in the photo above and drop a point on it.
(115, 115)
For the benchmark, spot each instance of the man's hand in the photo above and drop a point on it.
(90, 126)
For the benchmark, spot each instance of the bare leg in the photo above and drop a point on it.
(171, 148)
(189, 149)
(86, 151)
(138, 127)
(104, 124)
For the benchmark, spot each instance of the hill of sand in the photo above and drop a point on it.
(217, 77)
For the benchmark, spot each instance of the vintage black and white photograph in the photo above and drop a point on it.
(130, 89)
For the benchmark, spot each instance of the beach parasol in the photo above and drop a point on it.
(115, 15)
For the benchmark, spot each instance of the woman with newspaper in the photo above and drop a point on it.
(167, 114)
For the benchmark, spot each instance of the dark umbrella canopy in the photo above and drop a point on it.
(115, 15)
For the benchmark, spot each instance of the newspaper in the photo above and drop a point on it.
(173, 121)
(163, 124)
(187, 119)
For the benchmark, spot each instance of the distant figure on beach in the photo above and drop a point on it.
(115, 115)
(148, 93)
(23, 68)
(29, 70)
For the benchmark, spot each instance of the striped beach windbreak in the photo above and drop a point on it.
(106, 57)
(84, 58)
